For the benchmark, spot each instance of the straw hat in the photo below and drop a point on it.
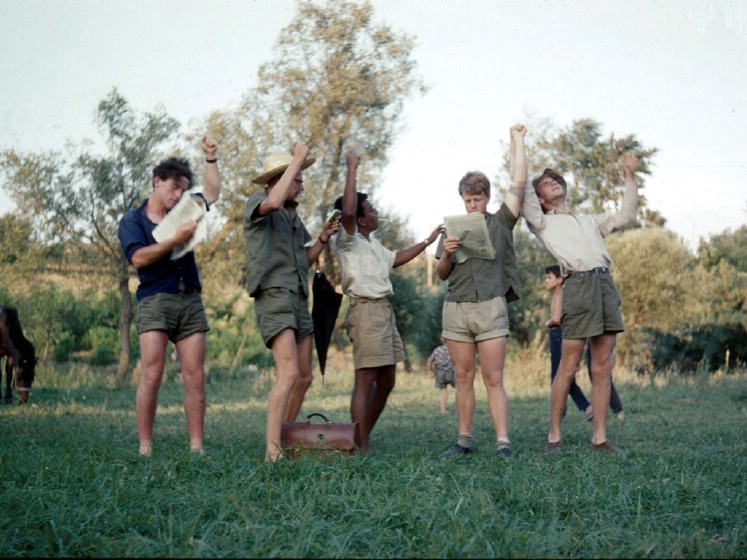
(275, 164)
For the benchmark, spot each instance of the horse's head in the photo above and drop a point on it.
(25, 374)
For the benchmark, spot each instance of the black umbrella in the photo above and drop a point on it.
(324, 314)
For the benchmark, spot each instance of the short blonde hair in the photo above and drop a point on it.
(474, 182)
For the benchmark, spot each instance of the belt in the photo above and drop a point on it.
(384, 299)
(186, 290)
(597, 270)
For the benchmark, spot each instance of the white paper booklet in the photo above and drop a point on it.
(472, 230)
(189, 207)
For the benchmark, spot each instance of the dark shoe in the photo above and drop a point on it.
(553, 447)
(605, 446)
(455, 450)
(503, 448)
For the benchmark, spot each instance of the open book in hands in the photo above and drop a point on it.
(472, 230)
(189, 207)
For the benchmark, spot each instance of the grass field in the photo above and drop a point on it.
(73, 485)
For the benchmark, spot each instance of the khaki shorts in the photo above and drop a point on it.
(468, 321)
(591, 305)
(373, 331)
(277, 309)
(179, 315)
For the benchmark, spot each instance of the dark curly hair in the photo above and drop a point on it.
(173, 168)
(362, 197)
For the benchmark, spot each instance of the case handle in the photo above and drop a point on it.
(319, 414)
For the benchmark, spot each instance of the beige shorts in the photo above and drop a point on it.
(468, 321)
(373, 331)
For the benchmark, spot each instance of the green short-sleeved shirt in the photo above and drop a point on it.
(481, 279)
(275, 247)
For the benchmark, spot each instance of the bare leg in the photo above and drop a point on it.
(153, 358)
(385, 380)
(191, 352)
(463, 355)
(302, 384)
(492, 360)
(573, 349)
(285, 353)
(365, 379)
(601, 376)
(442, 400)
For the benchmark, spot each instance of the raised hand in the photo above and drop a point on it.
(300, 150)
(518, 131)
(209, 146)
(435, 233)
(629, 163)
(352, 159)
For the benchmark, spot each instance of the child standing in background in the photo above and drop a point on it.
(440, 361)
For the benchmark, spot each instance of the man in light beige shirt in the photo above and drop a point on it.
(591, 302)
(370, 324)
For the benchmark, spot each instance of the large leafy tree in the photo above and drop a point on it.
(337, 80)
(660, 284)
(725, 257)
(81, 197)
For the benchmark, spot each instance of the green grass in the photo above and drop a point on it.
(73, 485)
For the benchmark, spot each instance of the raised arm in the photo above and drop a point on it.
(518, 167)
(350, 194)
(211, 190)
(406, 255)
(531, 209)
(627, 214)
(328, 230)
(279, 192)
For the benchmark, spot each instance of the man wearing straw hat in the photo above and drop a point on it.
(280, 251)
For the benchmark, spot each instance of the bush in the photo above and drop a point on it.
(703, 347)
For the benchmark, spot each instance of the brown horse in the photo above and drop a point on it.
(21, 358)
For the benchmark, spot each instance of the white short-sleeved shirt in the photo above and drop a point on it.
(365, 265)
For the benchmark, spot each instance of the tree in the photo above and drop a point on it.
(660, 284)
(725, 258)
(337, 80)
(82, 197)
(730, 246)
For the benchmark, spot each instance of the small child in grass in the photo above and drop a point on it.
(441, 368)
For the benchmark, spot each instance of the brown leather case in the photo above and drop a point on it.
(319, 438)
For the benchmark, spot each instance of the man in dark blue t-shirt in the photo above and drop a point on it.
(169, 304)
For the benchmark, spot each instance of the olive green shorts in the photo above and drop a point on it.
(475, 321)
(591, 305)
(372, 329)
(444, 378)
(277, 309)
(179, 315)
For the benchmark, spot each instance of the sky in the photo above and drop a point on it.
(671, 72)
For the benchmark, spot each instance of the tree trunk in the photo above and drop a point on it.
(125, 319)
